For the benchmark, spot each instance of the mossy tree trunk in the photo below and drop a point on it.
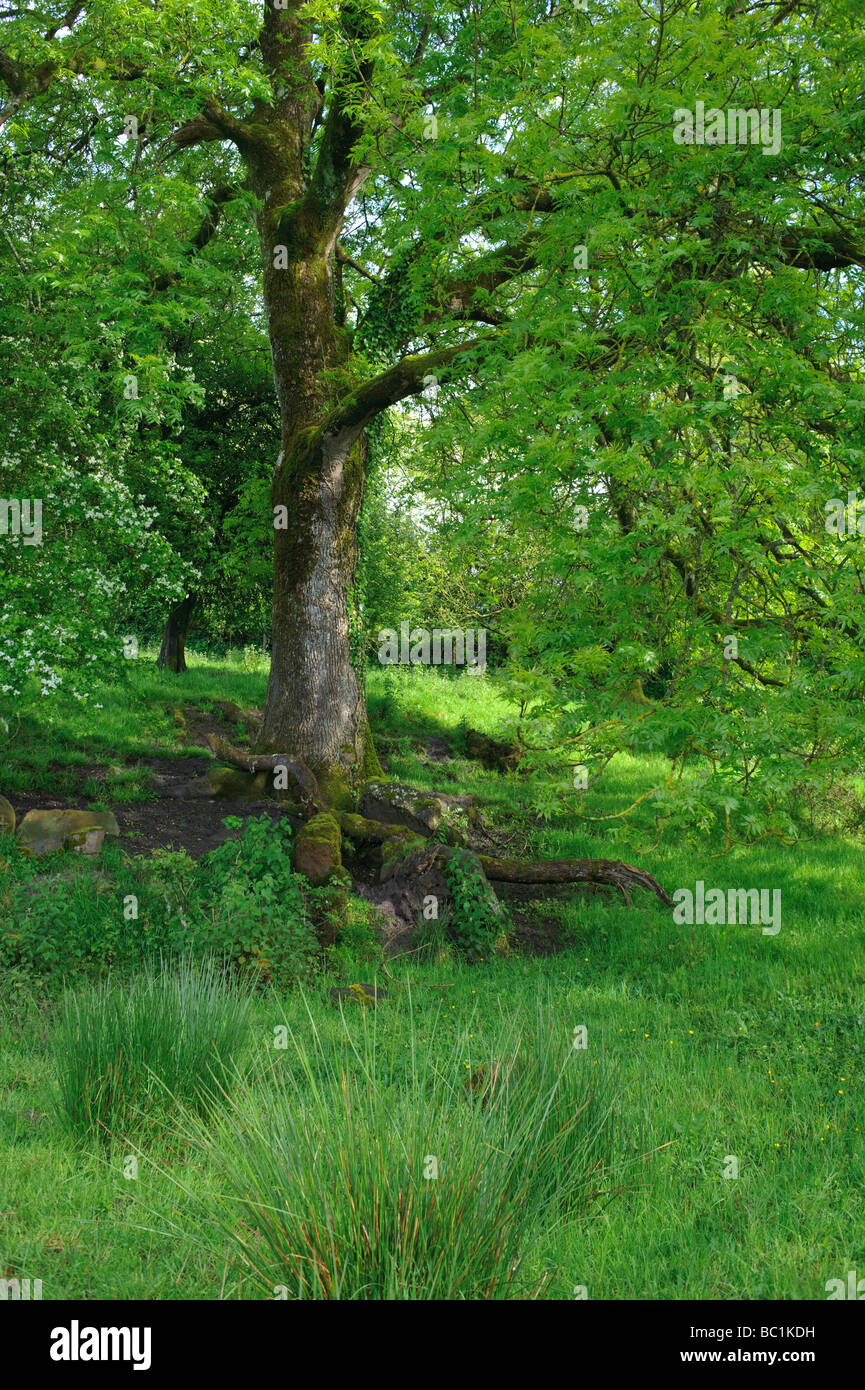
(300, 154)
(315, 705)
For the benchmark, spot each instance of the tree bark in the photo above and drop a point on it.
(315, 707)
(172, 653)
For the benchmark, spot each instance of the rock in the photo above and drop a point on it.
(442, 814)
(396, 804)
(43, 832)
(405, 855)
(496, 756)
(362, 994)
(87, 842)
(317, 849)
(7, 817)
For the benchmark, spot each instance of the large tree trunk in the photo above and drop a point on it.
(172, 653)
(315, 701)
(315, 707)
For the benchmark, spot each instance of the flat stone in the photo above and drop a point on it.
(396, 804)
(43, 832)
(7, 817)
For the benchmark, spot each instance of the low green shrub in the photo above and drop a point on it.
(476, 919)
(243, 901)
(254, 909)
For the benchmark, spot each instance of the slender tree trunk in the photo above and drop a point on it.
(172, 653)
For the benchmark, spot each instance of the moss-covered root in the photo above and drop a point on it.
(317, 849)
(397, 841)
(610, 872)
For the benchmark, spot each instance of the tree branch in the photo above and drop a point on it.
(821, 248)
(220, 195)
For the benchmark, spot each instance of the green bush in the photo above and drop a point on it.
(126, 1051)
(70, 920)
(477, 919)
(242, 901)
(254, 909)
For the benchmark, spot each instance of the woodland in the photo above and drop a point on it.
(432, 648)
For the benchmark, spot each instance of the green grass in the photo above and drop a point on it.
(126, 1051)
(714, 1042)
(49, 744)
(427, 1187)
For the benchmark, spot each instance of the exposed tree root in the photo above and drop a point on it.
(404, 845)
(301, 778)
(609, 872)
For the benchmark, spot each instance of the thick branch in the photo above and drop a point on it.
(486, 275)
(223, 194)
(406, 378)
(821, 248)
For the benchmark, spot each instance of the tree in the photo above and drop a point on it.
(425, 184)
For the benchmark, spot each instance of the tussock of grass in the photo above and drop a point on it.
(351, 1174)
(126, 1050)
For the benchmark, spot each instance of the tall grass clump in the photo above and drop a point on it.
(354, 1171)
(126, 1050)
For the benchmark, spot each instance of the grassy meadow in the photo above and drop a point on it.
(172, 1131)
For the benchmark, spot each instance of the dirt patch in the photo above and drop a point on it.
(201, 722)
(163, 822)
(437, 750)
(195, 826)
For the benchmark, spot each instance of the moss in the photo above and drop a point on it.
(370, 767)
(318, 849)
(336, 789)
(399, 850)
(234, 783)
(322, 829)
(354, 825)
